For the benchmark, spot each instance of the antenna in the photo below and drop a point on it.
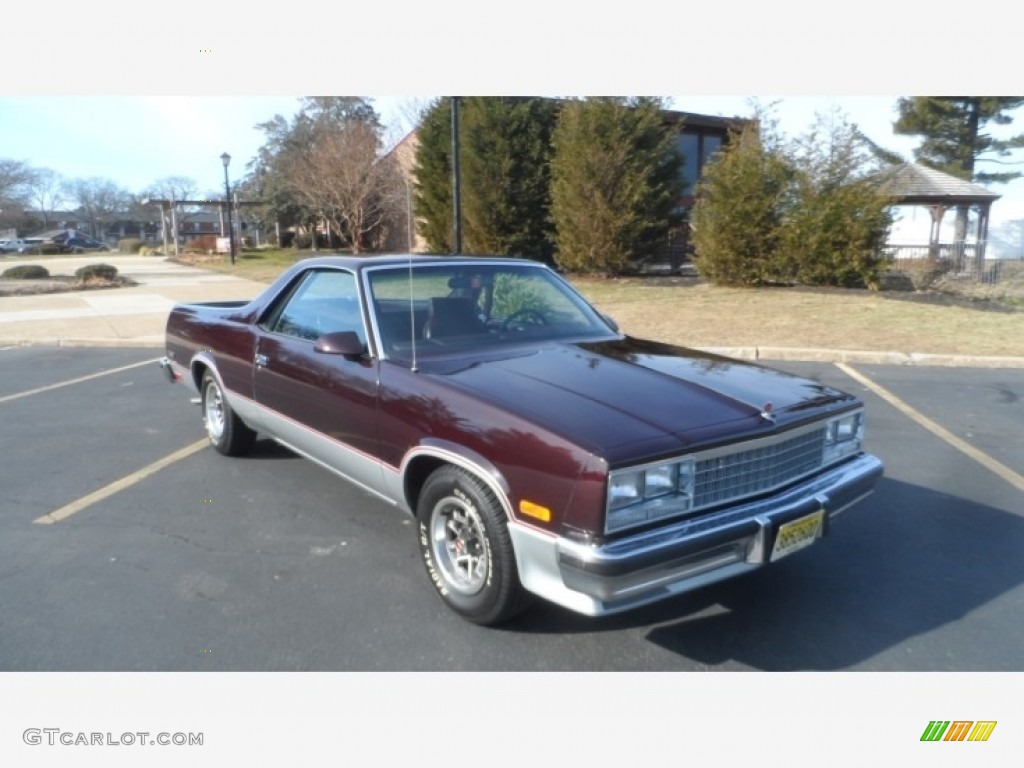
(412, 319)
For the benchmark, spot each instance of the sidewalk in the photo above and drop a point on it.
(135, 317)
(127, 317)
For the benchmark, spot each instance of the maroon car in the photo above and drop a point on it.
(541, 451)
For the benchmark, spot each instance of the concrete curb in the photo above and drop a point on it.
(766, 354)
(813, 355)
(127, 332)
(149, 342)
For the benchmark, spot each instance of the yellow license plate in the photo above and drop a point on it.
(797, 534)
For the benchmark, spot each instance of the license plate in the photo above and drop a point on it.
(797, 534)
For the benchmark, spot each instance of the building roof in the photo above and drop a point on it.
(915, 184)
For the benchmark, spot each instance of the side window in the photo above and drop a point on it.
(325, 301)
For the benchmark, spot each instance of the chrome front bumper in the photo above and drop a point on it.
(651, 566)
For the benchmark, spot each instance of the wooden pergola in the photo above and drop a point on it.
(169, 210)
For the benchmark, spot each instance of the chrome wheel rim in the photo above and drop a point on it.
(459, 546)
(214, 411)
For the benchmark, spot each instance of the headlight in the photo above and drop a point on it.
(843, 436)
(640, 495)
(625, 489)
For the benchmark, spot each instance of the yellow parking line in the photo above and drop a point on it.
(79, 380)
(1013, 478)
(119, 485)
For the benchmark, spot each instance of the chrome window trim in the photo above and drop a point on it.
(417, 261)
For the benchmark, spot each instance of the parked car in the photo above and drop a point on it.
(13, 245)
(541, 451)
(79, 244)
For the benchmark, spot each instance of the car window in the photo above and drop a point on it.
(441, 308)
(325, 301)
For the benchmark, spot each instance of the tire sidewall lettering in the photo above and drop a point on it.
(428, 561)
(499, 594)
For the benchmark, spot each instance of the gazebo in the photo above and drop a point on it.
(915, 184)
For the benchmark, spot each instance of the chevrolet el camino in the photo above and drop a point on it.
(541, 451)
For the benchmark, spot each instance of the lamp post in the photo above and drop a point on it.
(226, 159)
(456, 179)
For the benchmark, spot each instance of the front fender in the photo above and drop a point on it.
(459, 455)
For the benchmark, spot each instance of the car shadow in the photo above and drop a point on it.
(907, 561)
(265, 448)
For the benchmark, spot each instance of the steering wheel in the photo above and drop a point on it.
(525, 316)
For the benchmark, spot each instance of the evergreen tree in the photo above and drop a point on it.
(616, 183)
(506, 196)
(433, 171)
(810, 211)
(840, 217)
(505, 152)
(955, 139)
(741, 203)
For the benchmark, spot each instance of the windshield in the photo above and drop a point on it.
(467, 307)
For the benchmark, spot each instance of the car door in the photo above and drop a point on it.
(323, 405)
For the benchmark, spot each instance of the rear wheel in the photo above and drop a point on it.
(227, 432)
(466, 547)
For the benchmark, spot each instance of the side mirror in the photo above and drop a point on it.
(344, 343)
(608, 319)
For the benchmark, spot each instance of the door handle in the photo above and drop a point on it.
(261, 360)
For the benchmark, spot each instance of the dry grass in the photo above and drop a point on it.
(691, 312)
(261, 266)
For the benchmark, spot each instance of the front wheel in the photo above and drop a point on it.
(466, 548)
(227, 432)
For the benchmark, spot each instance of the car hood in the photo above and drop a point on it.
(628, 397)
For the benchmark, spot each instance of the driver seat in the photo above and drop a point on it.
(452, 316)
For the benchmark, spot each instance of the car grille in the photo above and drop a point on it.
(745, 473)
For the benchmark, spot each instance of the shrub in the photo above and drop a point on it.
(810, 212)
(924, 273)
(96, 272)
(202, 244)
(26, 272)
(130, 245)
(741, 204)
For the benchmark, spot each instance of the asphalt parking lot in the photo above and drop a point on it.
(187, 560)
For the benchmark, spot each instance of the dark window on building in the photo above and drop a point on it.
(688, 145)
(697, 149)
(712, 144)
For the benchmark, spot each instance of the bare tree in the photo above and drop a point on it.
(172, 188)
(177, 188)
(99, 201)
(342, 176)
(45, 189)
(14, 175)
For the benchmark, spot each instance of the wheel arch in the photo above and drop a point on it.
(420, 462)
(200, 364)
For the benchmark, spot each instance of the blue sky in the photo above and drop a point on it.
(137, 107)
(134, 140)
